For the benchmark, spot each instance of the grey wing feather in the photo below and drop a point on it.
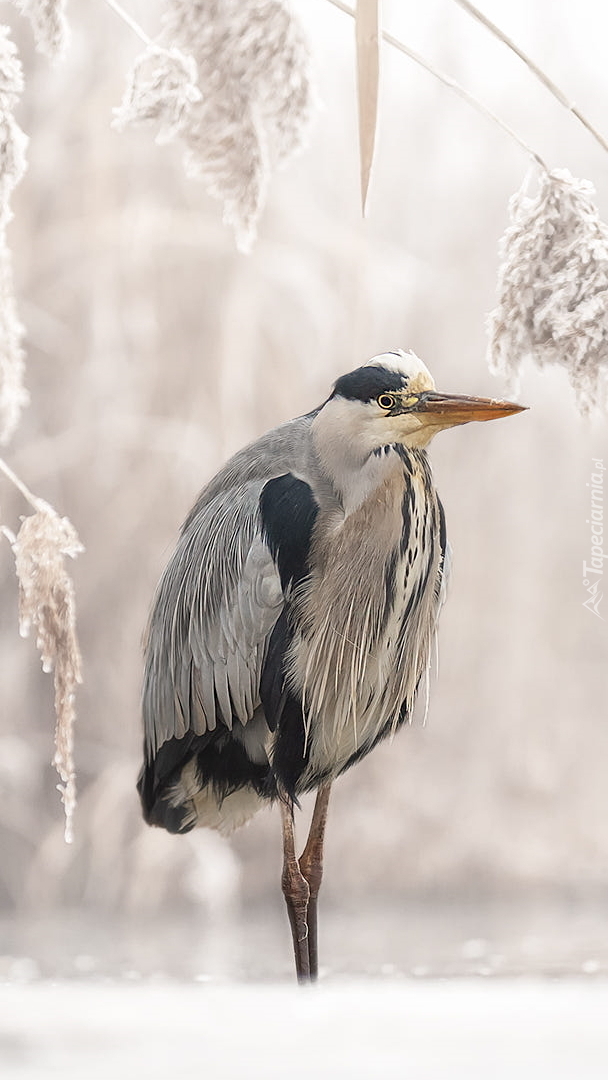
(205, 681)
(216, 605)
(218, 599)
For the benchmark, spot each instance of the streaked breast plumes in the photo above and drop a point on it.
(366, 616)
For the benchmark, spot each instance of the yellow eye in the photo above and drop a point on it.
(386, 401)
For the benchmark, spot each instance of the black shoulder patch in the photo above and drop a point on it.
(365, 383)
(289, 511)
(273, 692)
(283, 712)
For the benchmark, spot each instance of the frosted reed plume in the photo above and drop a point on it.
(46, 601)
(251, 106)
(49, 24)
(13, 143)
(46, 593)
(161, 86)
(553, 287)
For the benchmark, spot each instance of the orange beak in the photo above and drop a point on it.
(447, 410)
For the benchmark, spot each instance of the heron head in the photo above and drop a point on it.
(392, 399)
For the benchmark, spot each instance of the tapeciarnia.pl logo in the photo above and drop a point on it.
(593, 571)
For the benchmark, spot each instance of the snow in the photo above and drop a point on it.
(460, 1029)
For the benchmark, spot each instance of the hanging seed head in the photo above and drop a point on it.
(553, 288)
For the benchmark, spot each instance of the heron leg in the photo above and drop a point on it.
(311, 868)
(296, 892)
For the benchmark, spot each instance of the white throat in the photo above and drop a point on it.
(347, 458)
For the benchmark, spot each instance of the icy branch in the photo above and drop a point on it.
(130, 21)
(537, 71)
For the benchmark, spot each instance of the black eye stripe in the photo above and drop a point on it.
(368, 383)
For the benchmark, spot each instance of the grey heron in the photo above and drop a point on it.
(293, 624)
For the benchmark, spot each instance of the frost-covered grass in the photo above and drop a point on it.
(448, 1029)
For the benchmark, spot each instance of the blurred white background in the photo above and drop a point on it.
(154, 351)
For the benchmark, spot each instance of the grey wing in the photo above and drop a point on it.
(216, 605)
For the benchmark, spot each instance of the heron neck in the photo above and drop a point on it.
(356, 477)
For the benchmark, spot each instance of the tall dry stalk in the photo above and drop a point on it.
(46, 602)
(46, 594)
(13, 143)
(368, 39)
